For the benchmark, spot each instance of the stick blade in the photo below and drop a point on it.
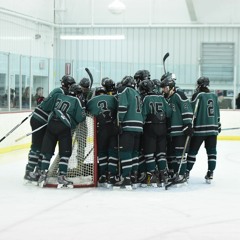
(165, 56)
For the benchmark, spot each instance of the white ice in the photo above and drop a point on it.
(198, 211)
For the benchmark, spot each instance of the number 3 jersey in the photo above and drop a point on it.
(104, 107)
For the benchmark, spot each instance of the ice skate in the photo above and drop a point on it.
(209, 177)
(163, 178)
(63, 182)
(112, 180)
(42, 181)
(102, 181)
(134, 180)
(31, 177)
(177, 181)
(151, 180)
(124, 182)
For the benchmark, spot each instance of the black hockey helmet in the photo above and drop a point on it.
(142, 75)
(156, 82)
(100, 90)
(146, 86)
(168, 75)
(85, 83)
(203, 82)
(109, 85)
(128, 81)
(103, 81)
(75, 90)
(168, 81)
(67, 81)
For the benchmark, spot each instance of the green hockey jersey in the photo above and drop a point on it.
(155, 109)
(65, 107)
(104, 107)
(182, 113)
(39, 113)
(130, 109)
(208, 114)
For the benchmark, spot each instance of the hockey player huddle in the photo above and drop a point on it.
(144, 129)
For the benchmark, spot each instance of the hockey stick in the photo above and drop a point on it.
(16, 127)
(185, 147)
(28, 134)
(234, 128)
(90, 76)
(164, 59)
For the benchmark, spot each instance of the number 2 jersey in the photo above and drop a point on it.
(208, 114)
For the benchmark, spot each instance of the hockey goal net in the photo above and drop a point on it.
(82, 165)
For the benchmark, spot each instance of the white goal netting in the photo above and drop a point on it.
(82, 166)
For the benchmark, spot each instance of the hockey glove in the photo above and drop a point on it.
(219, 127)
(188, 130)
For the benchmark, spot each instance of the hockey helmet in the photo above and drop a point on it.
(156, 82)
(167, 83)
(109, 85)
(75, 90)
(146, 86)
(100, 90)
(85, 83)
(128, 81)
(203, 82)
(169, 76)
(67, 81)
(142, 75)
(103, 81)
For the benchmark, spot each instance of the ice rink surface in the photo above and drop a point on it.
(198, 211)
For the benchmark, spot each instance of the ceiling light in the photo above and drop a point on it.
(92, 37)
(15, 38)
(116, 7)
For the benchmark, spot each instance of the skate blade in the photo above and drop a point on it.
(154, 185)
(135, 185)
(64, 186)
(42, 184)
(143, 185)
(29, 182)
(127, 187)
(208, 181)
(104, 185)
(109, 186)
(162, 185)
(179, 185)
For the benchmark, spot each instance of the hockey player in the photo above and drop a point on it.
(180, 125)
(206, 127)
(39, 118)
(130, 127)
(157, 84)
(141, 75)
(66, 112)
(86, 89)
(104, 107)
(155, 113)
